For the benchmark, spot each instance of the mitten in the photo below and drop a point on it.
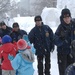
(25, 37)
(10, 57)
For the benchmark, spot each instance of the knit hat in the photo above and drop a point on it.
(2, 23)
(22, 44)
(15, 24)
(37, 18)
(6, 39)
(65, 12)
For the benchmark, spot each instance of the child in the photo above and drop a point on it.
(6, 49)
(71, 68)
(25, 37)
(23, 62)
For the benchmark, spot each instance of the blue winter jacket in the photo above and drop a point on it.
(64, 43)
(16, 35)
(42, 38)
(70, 70)
(23, 63)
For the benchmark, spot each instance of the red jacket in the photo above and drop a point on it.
(5, 50)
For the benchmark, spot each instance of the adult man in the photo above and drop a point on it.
(42, 38)
(17, 33)
(64, 34)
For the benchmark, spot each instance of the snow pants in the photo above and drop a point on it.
(64, 60)
(41, 67)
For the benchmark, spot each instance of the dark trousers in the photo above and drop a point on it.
(0, 71)
(47, 64)
(63, 62)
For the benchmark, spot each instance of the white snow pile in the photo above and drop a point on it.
(51, 16)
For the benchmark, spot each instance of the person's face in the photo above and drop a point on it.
(67, 19)
(3, 27)
(16, 28)
(38, 23)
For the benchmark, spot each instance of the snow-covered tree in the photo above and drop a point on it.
(38, 5)
(5, 7)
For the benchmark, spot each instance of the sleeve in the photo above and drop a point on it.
(57, 40)
(31, 36)
(51, 38)
(32, 48)
(24, 32)
(1, 51)
(16, 62)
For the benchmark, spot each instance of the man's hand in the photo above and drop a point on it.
(62, 34)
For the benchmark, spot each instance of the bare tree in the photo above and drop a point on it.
(33, 7)
(38, 5)
(5, 7)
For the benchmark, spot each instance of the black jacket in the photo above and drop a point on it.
(16, 35)
(64, 36)
(6, 31)
(42, 38)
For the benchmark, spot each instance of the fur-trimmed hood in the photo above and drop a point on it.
(28, 55)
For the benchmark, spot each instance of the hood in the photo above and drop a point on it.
(64, 25)
(28, 55)
(7, 47)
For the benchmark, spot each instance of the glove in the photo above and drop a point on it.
(71, 55)
(73, 45)
(62, 35)
(25, 37)
(10, 57)
(52, 49)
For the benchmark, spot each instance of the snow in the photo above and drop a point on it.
(51, 16)
(26, 23)
(67, 3)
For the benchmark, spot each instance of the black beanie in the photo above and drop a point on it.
(2, 23)
(65, 12)
(37, 18)
(15, 24)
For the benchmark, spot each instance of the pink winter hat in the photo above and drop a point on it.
(22, 44)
